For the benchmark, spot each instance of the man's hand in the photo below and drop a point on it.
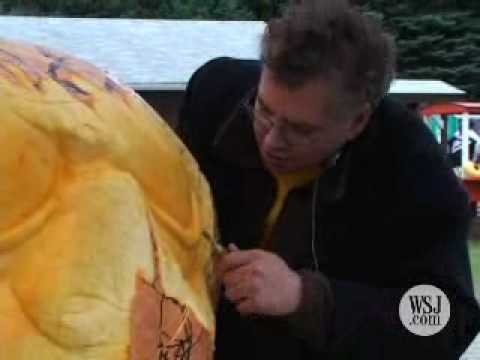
(259, 282)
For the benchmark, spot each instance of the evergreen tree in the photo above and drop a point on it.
(435, 40)
(444, 46)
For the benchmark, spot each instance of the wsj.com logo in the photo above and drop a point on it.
(424, 310)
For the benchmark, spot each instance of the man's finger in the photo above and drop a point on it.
(232, 247)
(233, 260)
(237, 293)
(234, 277)
(247, 307)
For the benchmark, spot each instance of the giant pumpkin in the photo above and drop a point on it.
(106, 223)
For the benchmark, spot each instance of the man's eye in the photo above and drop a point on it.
(266, 121)
(302, 131)
(262, 111)
(262, 116)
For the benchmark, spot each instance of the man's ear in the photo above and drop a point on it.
(359, 122)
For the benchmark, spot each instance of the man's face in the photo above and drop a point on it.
(296, 128)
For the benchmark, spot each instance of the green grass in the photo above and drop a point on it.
(474, 247)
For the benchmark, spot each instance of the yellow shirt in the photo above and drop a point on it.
(285, 183)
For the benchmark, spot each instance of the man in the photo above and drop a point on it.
(332, 200)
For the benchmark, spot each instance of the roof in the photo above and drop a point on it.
(452, 108)
(163, 54)
(144, 54)
(426, 90)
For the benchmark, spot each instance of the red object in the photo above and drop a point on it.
(473, 188)
(452, 108)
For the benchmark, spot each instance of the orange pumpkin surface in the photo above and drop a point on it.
(106, 223)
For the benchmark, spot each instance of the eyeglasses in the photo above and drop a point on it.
(290, 134)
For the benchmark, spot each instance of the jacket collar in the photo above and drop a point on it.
(235, 140)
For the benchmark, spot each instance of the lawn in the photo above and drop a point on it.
(474, 247)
